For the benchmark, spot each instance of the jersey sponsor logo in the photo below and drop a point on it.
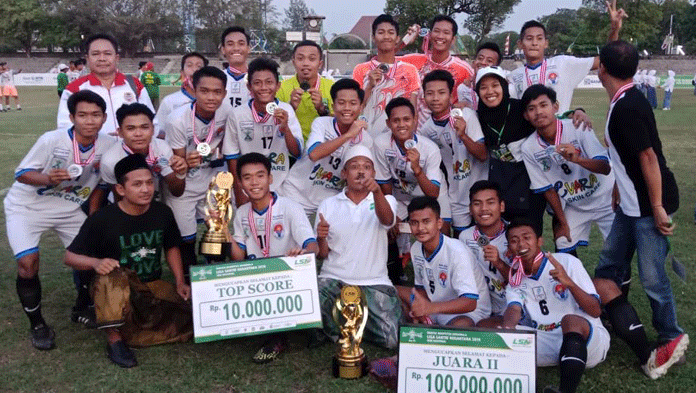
(235, 87)
(390, 154)
(277, 161)
(546, 327)
(443, 279)
(267, 130)
(326, 178)
(553, 78)
(461, 169)
(579, 189)
(278, 231)
(73, 193)
(58, 163)
(539, 293)
(129, 97)
(560, 292)
(247, 128)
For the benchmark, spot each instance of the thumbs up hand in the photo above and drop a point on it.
(322, 227)
(420, 304)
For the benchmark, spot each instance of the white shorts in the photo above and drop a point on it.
(549, 346)
(24, 227)
(580, 223)
(187, 210)
(444, 319)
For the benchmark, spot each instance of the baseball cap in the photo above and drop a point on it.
(62, 66)
(357, 151)
(491, 70)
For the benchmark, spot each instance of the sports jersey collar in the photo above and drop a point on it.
(441, 123)
(119, 80)
(186, 93)
(200, 118)
(534, 66)
(537, 275)
(439, 246)
(83, 149)
(342, 195)
(274, 198)
(235, 77)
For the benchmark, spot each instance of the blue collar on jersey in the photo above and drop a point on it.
(235, 77)
(439, 246)
(83, 149)
(186, 93)
(541, 269)
(252, 107)
(205, 121)
(440, 123)
(534, 66)
(273, 201)
(403, 153)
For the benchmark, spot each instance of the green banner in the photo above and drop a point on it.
(458, 338)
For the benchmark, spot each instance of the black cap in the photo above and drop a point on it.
(129, 164)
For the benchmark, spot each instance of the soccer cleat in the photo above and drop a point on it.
(270, 350)
(120, 354)
(665, 356)
(85, 316)
(43, 337)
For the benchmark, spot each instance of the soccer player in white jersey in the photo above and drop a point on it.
(264, 125)
(190, 63)
(234, 45)
(562, 73)
(195, 133)
(54, 179)
(266, 226)
(558, 295)
(450, 288)
(317, 174)
(487, 241)
(136, 130)
(352, 234)
(460, 140)
(572, 162)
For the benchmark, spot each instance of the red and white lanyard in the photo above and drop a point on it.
(258, 118)
(76, 153)
(266, 245)
(445, 117)
(515, 279)
(234, 71)
(151, 159)
(559, 134)
(477, 233)
(389, 74)
(211, 127)
(474, 98)
(355, 141)
(620, 92)
(542, 74)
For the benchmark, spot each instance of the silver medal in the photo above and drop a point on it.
(363, 118)
(456, 112)
(423, 32)
(162, 162)
(383, 67)
(203, 148)
(410, 144)
(483, 241)
(271, 107)
(74, 171)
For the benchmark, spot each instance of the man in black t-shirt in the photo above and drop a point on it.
(647, 196)
(123, 243)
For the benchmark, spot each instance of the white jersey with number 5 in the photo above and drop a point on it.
(245, 135)
(54, 150)
(289, 228)
(310, 182)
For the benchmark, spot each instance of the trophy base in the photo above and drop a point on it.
(215, 251)
(350, 367)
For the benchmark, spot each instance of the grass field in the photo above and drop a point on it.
(79, 362)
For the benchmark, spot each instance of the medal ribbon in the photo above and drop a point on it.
(515, 279)
(446, 117)
(266, 249)
(542, 74)
(257, 117)
(557, 140)
(76, 153)
(621, 91)
(234, 71)
(389, 74)
(211, 127)
(355, 141)
(477, 233)
(151, 159)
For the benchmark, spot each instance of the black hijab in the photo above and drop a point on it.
(506, 116)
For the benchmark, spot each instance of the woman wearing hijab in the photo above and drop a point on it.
(668, 86)
(651, 83)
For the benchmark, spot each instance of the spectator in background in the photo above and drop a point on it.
(141, 69)
(668, 85)
(7, 86)
(693, 82)
(72, 73)
(63, 78)
(151, 80)
(80, 68)
(650, 83)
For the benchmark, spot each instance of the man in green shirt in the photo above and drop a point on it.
(62, 78)
(151, 81)
(307, 92)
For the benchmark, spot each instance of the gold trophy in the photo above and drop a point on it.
(350, 314)
(216, 242)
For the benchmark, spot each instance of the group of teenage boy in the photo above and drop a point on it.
(467, 158)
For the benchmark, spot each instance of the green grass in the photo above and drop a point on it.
(79, 362)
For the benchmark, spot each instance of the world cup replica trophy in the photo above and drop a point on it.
(216, 242)
(350, 314)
